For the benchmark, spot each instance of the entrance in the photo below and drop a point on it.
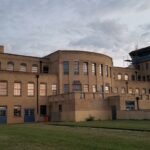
(3, 114)
(29, 115)
(114, 112)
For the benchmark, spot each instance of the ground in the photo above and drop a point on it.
(97, 135)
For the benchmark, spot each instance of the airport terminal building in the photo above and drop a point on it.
(70, 85)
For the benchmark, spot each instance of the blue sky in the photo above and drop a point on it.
(39, 27)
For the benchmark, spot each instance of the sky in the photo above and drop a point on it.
(39, 27)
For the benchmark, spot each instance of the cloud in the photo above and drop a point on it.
(40, 27)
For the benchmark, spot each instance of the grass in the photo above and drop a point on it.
(50, 137)
(137, 125)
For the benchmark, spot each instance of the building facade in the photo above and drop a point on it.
(73, 86)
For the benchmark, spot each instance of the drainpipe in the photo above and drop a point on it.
(40, 66)
(37, 96)
(137, 101)
(127, 86)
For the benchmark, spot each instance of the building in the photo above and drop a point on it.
(73, 86)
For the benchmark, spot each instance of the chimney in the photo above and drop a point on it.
(1, 49)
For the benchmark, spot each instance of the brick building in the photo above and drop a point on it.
(72, 86)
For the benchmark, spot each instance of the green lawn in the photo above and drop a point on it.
(50, 137)
(139, 125)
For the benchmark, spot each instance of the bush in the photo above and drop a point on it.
(90, 118)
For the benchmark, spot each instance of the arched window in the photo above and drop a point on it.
(23, 67)
(115, 90)
(144, 91)
(34, 68)
(119, 76)
(10, 66)
(126, 77)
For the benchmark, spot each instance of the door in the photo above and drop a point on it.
(3, 114)
(29, 115)
(114, 112)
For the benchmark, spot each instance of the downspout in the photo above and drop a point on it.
(37, 96)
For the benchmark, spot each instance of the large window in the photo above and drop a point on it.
(45, 69)
(76, 67)
(85, 68)
(43, 110)
(54, 89)
(137, 91)
(119, 76)
(66, 88)
(66, 67)
(42, 89)
(94, 68)
(76, 85)
(17, 89)
(107, 90)
(30, 89)
(85, 88)
(3, 88)
(130, 105)
(130, 91)
(123, 90)
(34, 68)
(115, 90)
(126, 77)
(23, 67)
(10, 66)
(94, 90)
(17, 111)
(144, 91)
(106, 70)
(101, 69)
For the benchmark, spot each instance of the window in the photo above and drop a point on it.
(101, 69)
(107, 89)
(148, 78)
(60, 108)
(85, 68)
(115, 90)
(143, 91)
(42, 89)
(17, 89)
(3, 110)
(143, 78)
(139, 78)
(34, 68)
(30, 89)
(130, 91)
(119, 76)
(76, 67)
(130, 105)
(126, 77)
(66, 88)
(137, 91)
(10, 66)
(3, 88)
(85, 88)
(54, 89)
(94, 68)
(66, 67)
(43, 110)
(94, 88)
(77, 86)
(82, 95)
(17, 111)
(133, 77)
(23, 67)
(45, 69)
(106, 70)
(123, 90)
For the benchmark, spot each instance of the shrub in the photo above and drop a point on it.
(90, 118)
